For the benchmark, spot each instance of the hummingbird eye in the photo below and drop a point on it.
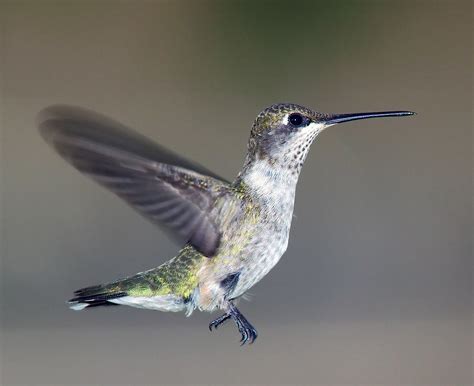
(296, 119)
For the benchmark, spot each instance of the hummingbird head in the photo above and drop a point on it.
(283, 133)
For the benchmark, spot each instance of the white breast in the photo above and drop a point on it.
(275, 191)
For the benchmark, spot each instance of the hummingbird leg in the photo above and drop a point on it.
(249, 333)
(217, 322)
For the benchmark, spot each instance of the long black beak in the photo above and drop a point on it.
(339, 118)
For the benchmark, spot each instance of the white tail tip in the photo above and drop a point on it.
(77, 306)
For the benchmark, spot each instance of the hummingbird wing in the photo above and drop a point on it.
(165, 188)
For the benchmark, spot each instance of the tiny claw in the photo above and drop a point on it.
(245, 337)
(249, 335)
(252, 337)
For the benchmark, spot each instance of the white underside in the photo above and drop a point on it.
(161, 303)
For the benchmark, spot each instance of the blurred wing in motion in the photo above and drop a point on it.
(165, 188)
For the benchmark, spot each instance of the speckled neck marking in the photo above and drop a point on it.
(276, 173)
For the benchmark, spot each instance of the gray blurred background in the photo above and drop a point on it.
(376, 286)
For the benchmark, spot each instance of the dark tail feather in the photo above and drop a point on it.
(98, 295)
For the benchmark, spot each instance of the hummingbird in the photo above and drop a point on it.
(233, 232)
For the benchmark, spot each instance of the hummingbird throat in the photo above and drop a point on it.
(274, 173)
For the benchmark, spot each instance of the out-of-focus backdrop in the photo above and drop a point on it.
(376, 286)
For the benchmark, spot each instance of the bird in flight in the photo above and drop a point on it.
(233, 232)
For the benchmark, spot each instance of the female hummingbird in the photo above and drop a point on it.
(233, 232)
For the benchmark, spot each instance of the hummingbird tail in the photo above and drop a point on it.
(94, 296)
(153, 289)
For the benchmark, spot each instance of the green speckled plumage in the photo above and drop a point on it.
(177, 277)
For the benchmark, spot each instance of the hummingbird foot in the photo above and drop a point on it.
(248, 332)
(217, 322)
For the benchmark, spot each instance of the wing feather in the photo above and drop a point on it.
(165, 188)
